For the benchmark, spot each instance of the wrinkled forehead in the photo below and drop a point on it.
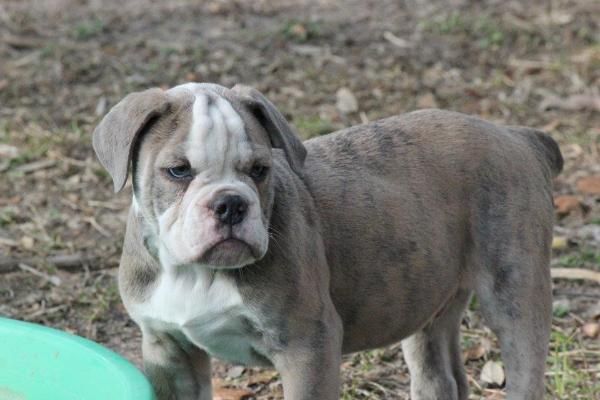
(210, 126)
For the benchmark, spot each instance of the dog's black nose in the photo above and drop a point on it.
(230, 209)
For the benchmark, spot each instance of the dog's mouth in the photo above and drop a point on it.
(229, 252)
(231, 244)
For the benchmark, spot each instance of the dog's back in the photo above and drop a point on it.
(468, 185)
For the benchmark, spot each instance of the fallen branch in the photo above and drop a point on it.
(68, 262)
(575, 273)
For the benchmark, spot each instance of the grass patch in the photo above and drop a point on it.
(567, 379)
(312, 126)
(483, 30)
(87, 29)
(586, 258)
(8, 215)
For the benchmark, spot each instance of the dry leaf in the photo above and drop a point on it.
(494, 394)
(566, 204)
(191, 77)
(493, 373)
(591, 329)
(586, 56)
(8, 242)
(551, 126)
(555, 17)
(262, 378)
(474, 352)
(8, 151)
(589, 185)
(231, 394)
(299, 31)
(559, 243)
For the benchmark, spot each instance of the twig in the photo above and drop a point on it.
(68, 262)
(396, 41)
(45, 311)
(474, 382)
(55, 280)
(35, 166)
(575, 273)
(576, 351)
(576, 294)
(107, 205)
(92, 221)
(22, 42)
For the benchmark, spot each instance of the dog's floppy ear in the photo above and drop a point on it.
(114, 137)
(280, 132)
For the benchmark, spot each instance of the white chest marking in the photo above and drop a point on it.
(187, 298)
(209, 312)
(134, 204)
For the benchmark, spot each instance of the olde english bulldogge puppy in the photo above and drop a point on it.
(247, 244)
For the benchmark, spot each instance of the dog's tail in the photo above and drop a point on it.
(545, 146)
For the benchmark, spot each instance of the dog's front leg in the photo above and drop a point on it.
(177, 369)
(310, 367)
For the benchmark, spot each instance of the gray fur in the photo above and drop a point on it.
(381, 235)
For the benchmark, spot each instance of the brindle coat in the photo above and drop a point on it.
(378, 233)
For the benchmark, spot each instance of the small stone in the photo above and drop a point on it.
(346, 101)
(236, 371)
(27, 242)
(427, 101)
(101, 106)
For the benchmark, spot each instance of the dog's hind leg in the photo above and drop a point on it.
(433, 355)
(516, 301)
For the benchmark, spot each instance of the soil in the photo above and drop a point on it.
(326, 65)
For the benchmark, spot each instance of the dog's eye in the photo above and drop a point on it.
(180, 172)
(258, 172)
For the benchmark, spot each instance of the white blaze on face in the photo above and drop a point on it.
(215, 145)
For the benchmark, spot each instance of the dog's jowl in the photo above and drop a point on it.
(246, 244)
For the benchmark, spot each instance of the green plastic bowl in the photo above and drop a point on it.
(39, 363)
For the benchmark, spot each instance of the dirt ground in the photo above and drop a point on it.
(64, 63)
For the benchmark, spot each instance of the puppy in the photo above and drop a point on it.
(246, 244)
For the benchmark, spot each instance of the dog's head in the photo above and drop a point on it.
(202, 169)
